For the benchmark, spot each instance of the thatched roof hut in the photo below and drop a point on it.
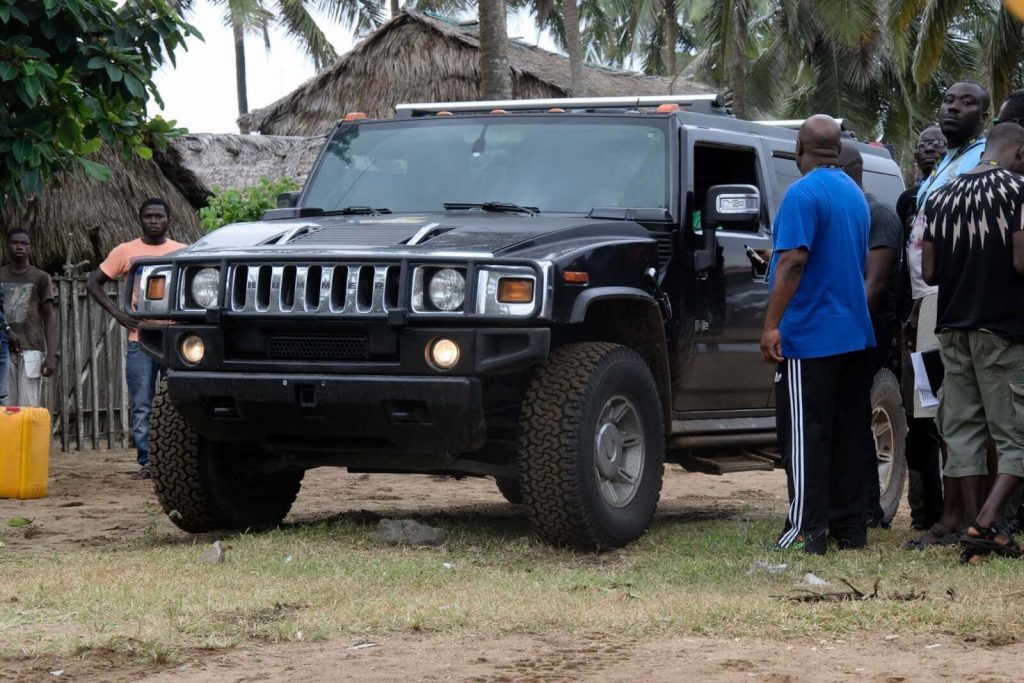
(234, 161)
(417, 58)
(79, 218)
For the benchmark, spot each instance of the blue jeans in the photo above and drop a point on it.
(4, 360)
(140, 372)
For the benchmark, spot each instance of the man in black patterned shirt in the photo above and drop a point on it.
(974, 252)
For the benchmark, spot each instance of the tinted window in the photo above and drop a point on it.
(886, 188)
(786, 172)
(566, 165)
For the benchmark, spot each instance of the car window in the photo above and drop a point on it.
(560, 165)
(723, 165)
(886, 188)
(786, 172)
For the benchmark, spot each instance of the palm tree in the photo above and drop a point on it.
(295, 17)
(495, 71)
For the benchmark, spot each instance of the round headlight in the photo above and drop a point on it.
(204, 287)
(193, 349)
(447, 289)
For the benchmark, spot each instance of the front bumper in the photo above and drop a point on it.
(352, 413)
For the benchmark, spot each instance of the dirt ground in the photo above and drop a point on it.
(93, 504)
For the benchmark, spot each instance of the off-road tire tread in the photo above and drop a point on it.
(194, 493)
(552, 411)
(174, 463)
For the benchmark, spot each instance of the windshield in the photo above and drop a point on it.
(569, 165)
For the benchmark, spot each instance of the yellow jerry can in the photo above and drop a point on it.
(24, 452)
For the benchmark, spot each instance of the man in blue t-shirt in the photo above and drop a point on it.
(816, 329)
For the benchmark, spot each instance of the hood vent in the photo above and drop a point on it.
(426, 233)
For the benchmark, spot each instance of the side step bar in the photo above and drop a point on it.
(726, 463)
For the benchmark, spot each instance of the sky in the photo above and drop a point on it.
(199, 93)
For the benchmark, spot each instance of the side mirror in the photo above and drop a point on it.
(731, 206)
(288, 200)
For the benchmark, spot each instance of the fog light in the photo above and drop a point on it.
(444, 353)
(193, 349)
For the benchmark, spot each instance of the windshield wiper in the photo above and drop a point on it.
(494, 207)
(356, 211)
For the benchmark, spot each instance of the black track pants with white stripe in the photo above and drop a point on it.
(823, 418)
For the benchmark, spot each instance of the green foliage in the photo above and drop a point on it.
(75, 74)
(248, 204)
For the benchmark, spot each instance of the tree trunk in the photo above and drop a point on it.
(736, 75)
(495, 72)
(571, 15)
(395, 9)
(671, 36)
(243, 98)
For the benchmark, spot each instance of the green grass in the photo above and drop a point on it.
(156, 601)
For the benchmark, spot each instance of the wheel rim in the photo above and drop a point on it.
(619, 451)
(884, 431)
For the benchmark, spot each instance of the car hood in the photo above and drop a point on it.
(470, 233)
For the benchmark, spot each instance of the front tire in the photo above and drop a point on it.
(889, 428)
(591, 447)
(203, 486)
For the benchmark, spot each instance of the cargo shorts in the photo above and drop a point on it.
(982, 395)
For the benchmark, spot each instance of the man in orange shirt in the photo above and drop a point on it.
(140, 369)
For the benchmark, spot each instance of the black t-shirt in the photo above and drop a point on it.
(906, 209)
(971, 221)
(886, 232)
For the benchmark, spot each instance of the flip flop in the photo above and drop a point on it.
(984, 541)
(935, 536)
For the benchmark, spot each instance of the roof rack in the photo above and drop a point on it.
(704, 102)
(796, 123)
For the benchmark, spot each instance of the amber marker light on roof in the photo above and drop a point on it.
(354, 116)
(556, 110)
(515, 290)
(156, 287)
(498, 111)
(667, 108)
(575, 277)
(443, 113)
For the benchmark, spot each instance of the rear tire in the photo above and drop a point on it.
(889, 428)
(203, 486)
(510, 489)
(591, 447)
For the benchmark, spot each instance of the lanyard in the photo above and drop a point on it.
(967, 147)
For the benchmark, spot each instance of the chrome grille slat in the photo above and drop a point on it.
(300, 287)
(326, 278)
(339, 288)
(275, 303)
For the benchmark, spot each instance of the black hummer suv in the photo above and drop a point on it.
(553, 293)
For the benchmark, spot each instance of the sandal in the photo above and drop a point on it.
(983, 540)
(936, 536)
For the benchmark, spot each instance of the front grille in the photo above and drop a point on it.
(345, 289)
(317, 347)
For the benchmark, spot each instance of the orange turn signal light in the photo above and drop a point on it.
(156, 287)
(354, 116)
(515, 290)
(443, 113)
(575, 277)
(498, 111)
(556, 110)
(667, 108)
